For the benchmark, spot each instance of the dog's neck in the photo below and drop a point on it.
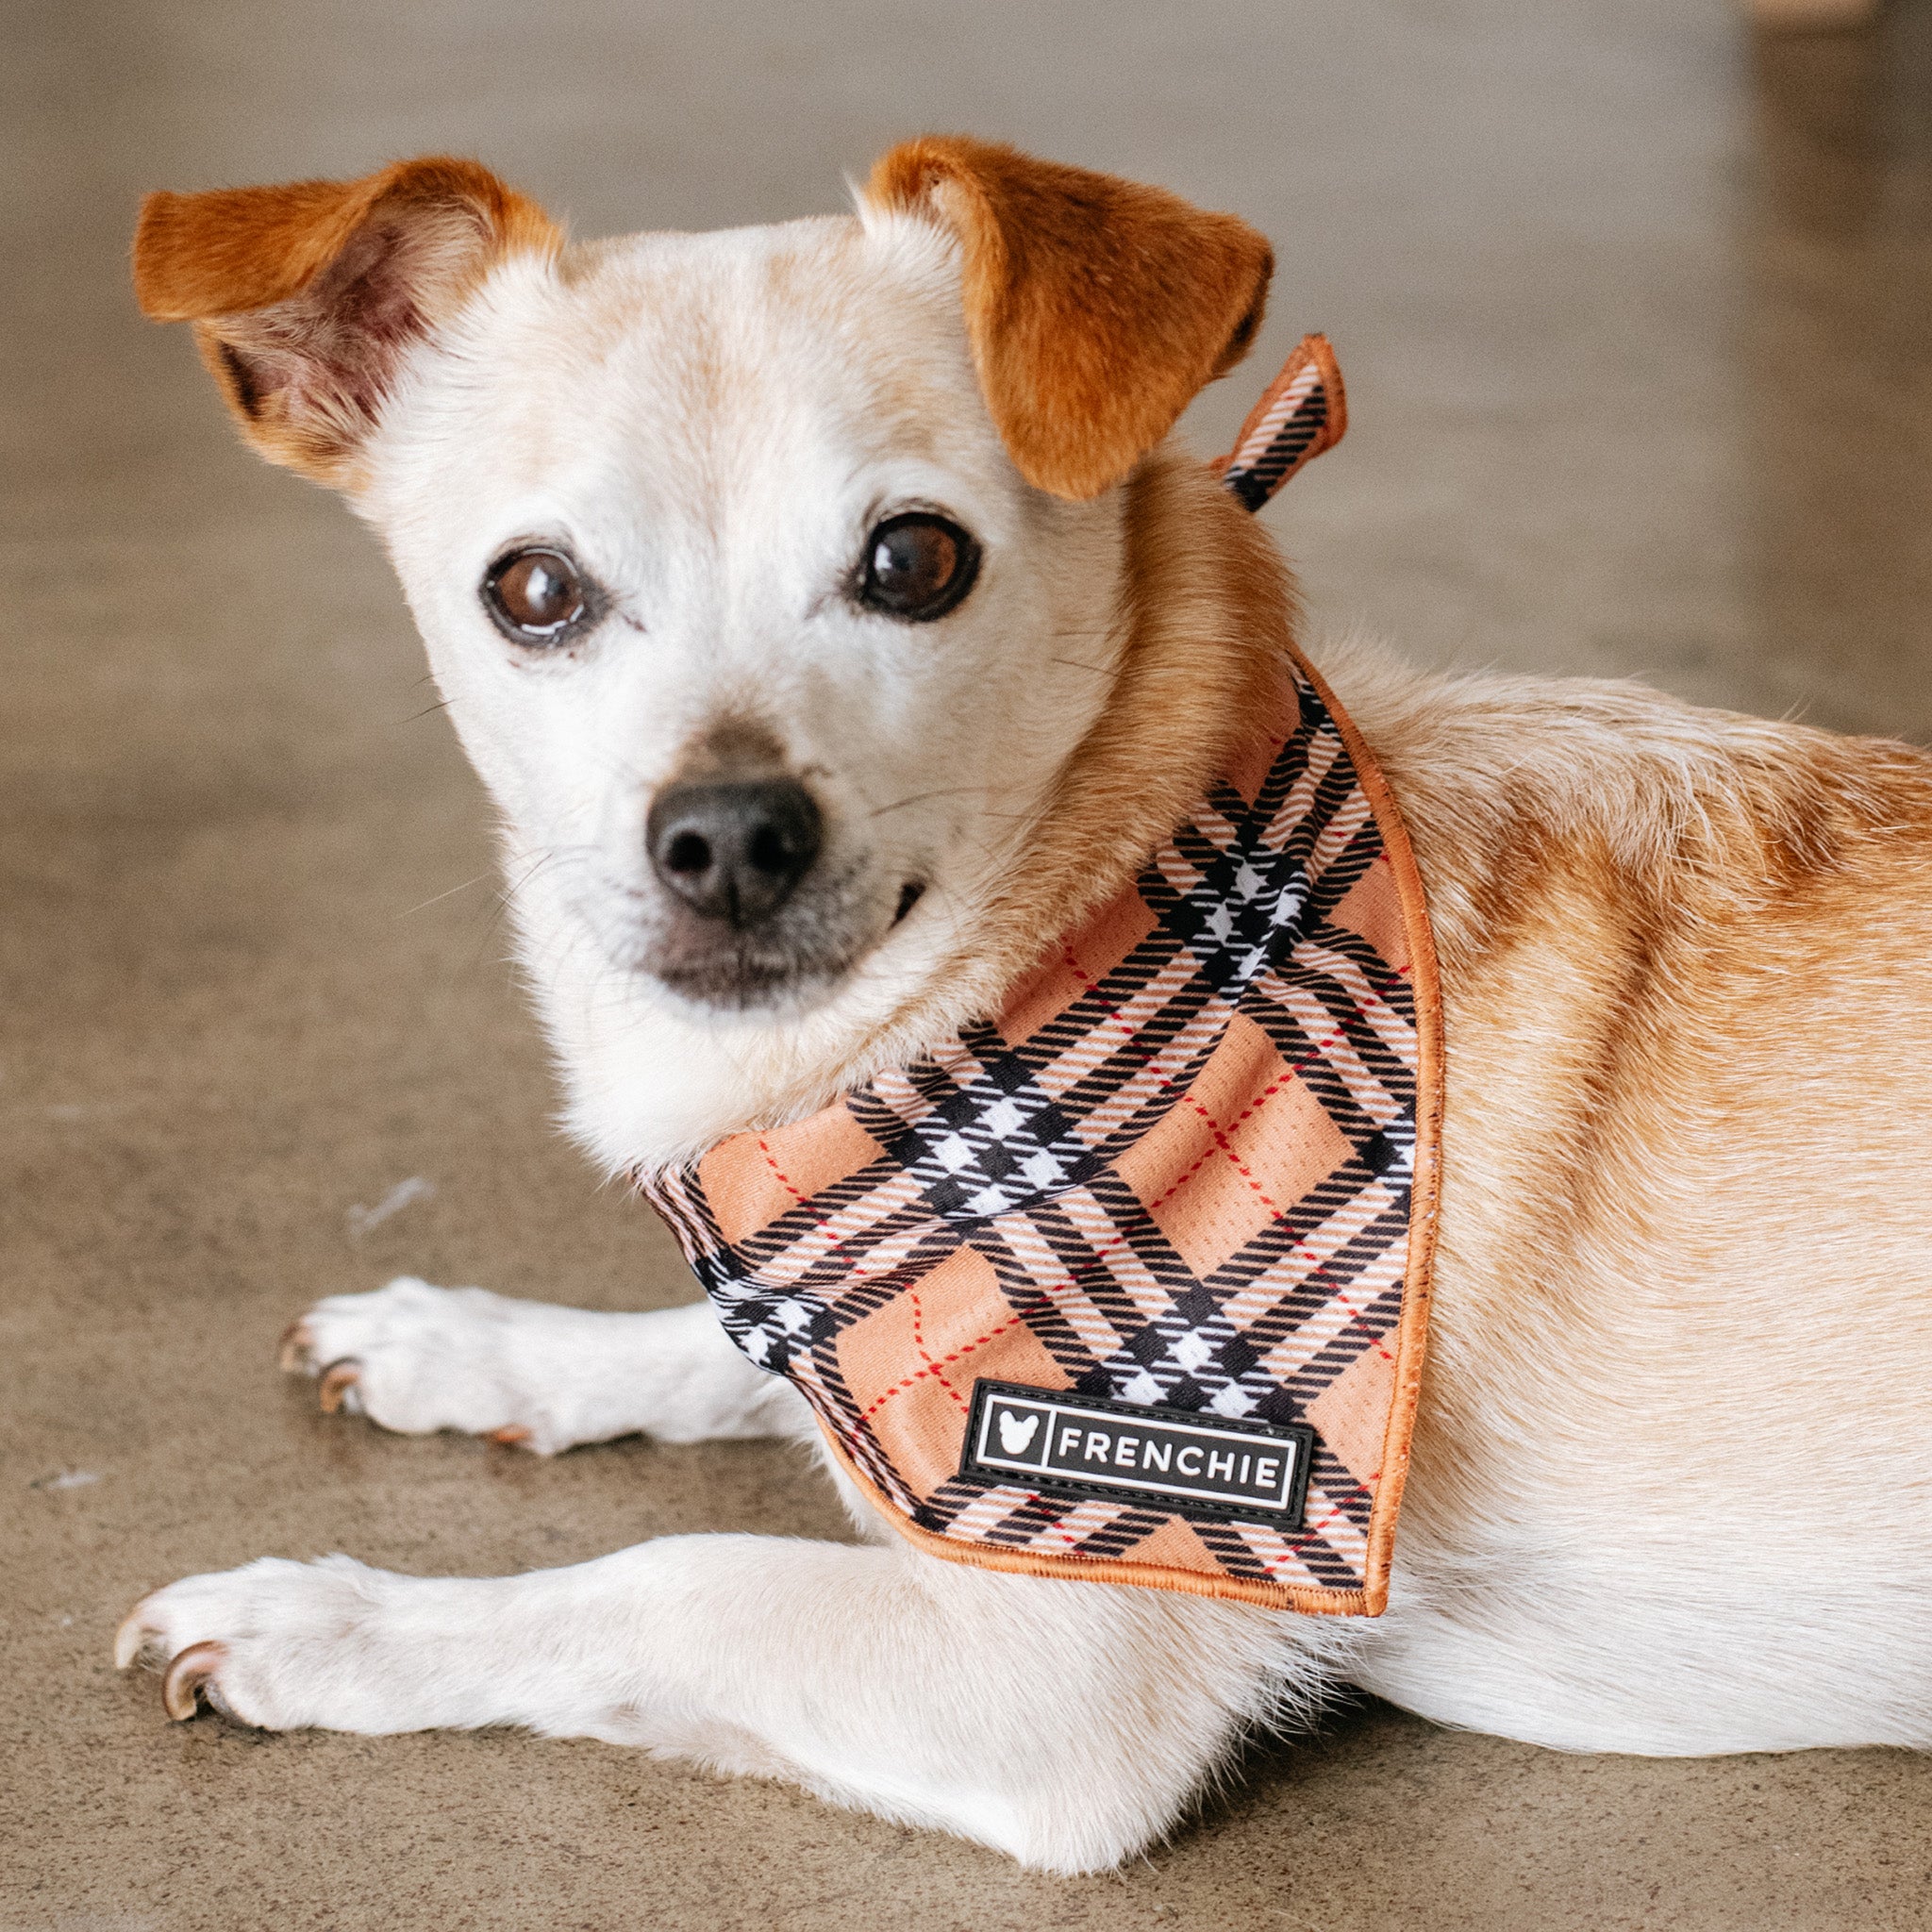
(1204, 615)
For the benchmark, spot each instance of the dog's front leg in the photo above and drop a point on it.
(1067, 1724)
(418, 1358)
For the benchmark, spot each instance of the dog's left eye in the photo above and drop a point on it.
(917, 567)
(536, 595)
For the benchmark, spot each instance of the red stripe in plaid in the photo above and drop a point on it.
(933, 1367)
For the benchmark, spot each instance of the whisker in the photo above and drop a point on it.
(505, 894)
(438, 898)
(920, 798)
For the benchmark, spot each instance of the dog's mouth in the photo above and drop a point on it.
(795, 958)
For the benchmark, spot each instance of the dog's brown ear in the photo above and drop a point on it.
(1096, 307)
(306, 297)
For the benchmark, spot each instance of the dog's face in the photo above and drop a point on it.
(774, 577)
(766, 647)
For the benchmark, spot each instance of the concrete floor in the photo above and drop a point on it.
(1636, 321)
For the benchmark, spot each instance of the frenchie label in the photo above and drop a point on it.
(1170, 1460)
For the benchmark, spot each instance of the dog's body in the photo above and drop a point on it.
(1672, 1486)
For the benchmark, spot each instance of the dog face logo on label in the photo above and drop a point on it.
(1016, 1436)
(1183, 1463)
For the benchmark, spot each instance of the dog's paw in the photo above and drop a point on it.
(417, 1359)
(275, 1643)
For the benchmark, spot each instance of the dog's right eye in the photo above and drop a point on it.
(537, 596)
(917, 567)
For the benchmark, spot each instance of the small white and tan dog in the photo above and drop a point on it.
(834, 623)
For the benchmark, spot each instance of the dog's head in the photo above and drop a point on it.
(774, 577)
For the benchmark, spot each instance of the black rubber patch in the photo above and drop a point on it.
(1168, 1460)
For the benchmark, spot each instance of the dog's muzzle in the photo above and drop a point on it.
(752, 912)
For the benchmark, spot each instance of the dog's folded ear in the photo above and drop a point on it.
(1095, 308)
(307, 297)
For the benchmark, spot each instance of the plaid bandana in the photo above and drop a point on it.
(1130, 1283)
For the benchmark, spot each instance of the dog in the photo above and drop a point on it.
(856, 554)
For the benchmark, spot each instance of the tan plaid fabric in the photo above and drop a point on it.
(1191, 1165)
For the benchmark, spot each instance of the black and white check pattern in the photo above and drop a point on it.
(983, 1156)
(988, 1139)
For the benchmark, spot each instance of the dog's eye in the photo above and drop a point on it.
(535, 595)
(918, 567)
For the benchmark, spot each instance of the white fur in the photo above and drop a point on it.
(710, 421)
(860, 1673)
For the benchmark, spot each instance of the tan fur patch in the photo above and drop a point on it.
(1096, 307)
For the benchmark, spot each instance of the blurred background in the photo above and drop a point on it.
(1634, 300)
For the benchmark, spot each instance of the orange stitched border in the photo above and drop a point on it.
(1274, 1596)
(1412, 1331)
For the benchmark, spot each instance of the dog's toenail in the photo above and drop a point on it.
(510, 1434)
(130, 1639)
(181, 1686)
(293, 1346)
(337, 1380)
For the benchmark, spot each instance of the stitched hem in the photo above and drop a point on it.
(1074, 1569)
(1412, 1333)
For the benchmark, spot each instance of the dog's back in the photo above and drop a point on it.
(1673, 1480)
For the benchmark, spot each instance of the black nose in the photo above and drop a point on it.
(734, 849)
